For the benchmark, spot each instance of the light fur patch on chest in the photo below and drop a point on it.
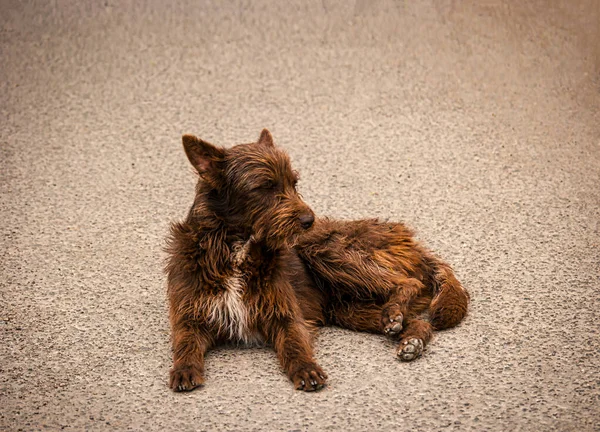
(227, 310)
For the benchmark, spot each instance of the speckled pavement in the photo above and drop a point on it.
(477, 123)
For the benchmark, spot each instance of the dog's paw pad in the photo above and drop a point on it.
(394, 327)
(391, 320)
(410, 349)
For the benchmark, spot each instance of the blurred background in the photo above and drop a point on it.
(475, 122)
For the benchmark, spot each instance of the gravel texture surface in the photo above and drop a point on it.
(476, 123)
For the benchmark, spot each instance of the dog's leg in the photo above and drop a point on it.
(292, 342)
(398, 306)
(369, 318)
(357, 316)
(415, 336)
(190, 343)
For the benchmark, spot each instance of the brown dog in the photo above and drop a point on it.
(247, 265)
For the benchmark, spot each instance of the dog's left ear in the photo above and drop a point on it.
(266, 138)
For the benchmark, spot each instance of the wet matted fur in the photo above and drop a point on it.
(250, 263)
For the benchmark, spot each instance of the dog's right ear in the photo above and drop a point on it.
(202, 155)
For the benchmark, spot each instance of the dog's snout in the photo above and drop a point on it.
(306, 220)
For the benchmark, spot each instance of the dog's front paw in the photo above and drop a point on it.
(410, 349)
(309, 378)
(391, 320)
(185, 378)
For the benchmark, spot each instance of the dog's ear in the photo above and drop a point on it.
(202, 155)
(266, 138)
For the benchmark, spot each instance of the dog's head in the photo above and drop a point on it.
(251, 187)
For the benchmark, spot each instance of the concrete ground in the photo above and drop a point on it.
(477, 123)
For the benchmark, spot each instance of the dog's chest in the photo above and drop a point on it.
(228, 311)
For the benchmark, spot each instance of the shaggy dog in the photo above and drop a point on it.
(250, 263)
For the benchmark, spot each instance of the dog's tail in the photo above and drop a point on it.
(450, 299)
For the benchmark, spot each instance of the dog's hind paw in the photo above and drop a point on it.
(391, 320)
(410, 349)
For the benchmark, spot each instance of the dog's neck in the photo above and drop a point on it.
(207, 219)
(211, 211)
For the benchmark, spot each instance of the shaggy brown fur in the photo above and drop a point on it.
(247, 265)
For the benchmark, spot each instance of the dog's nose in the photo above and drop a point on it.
(306, 220)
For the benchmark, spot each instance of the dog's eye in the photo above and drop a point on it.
(269, 184)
